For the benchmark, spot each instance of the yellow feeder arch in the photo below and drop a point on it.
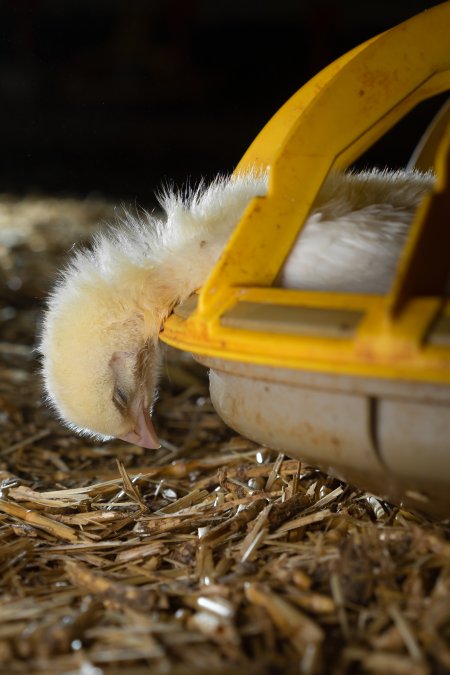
(347, 370)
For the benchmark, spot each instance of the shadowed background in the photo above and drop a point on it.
(109, 97)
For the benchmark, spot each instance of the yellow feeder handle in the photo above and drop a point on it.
(424, 265)
(328, 123)
(424, 155)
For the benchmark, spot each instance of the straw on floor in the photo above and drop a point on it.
(211, 554)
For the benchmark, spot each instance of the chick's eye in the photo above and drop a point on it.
(120, 398)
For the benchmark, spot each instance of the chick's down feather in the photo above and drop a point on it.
(99, 342)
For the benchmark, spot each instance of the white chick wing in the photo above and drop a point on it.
(352, 239)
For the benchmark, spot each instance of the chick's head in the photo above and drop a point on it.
(100, 369)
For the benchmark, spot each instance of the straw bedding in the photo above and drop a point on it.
(211, 554)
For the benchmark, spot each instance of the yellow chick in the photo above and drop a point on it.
(99, 340)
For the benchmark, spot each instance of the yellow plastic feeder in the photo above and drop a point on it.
(358, 385)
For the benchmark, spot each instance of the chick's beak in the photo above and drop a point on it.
(144, 433)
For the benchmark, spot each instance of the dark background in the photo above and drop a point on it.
(116, 97)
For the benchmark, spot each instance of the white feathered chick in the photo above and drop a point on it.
(100, 332)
